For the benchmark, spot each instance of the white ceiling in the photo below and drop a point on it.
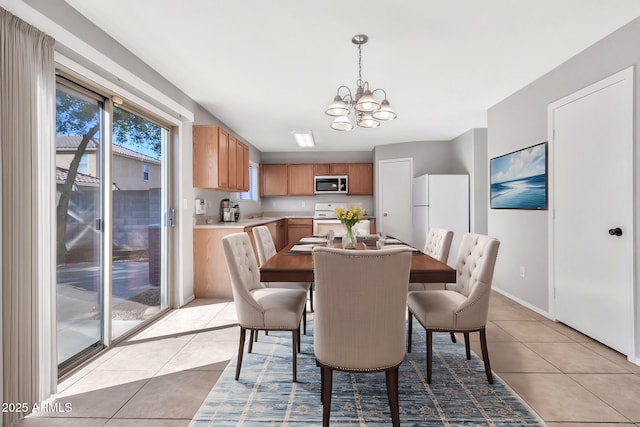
(267, 67)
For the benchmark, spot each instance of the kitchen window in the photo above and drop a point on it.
(252, 194)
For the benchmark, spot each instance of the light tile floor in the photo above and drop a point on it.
(160, 377)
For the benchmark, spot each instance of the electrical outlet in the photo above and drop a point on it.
(274, 204)
(522, 271)
(303, 204)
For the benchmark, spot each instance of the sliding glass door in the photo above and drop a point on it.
(79, 178)
(112, 169)
(139, 197)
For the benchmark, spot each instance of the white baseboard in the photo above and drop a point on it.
(524, 303)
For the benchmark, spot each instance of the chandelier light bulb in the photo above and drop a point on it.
(367, 103)
(366, 120)
(342, 123)
(338, 107)
(385, 112)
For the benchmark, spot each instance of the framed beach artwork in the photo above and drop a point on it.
(519, 179)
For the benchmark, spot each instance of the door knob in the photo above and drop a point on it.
(615, 231)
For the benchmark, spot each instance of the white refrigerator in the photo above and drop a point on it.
(440, 201)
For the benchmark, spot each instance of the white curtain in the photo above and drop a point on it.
(27, 171)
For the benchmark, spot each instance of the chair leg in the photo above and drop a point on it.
(453, 337)
(327, 383)
(298, 333)
(409, 330)
(321, 381)
(485, 355)
(429, 355)
(392, 394)
(243, 334)
(304, 320)
(467, 346)
(252, 337)
(311, 297)
(295, 341)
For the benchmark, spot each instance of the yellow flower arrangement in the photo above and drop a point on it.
(350, 216)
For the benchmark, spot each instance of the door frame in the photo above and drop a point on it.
(627, 76)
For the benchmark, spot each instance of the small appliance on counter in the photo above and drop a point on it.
(229, 211)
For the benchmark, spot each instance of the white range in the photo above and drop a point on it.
(325, 219)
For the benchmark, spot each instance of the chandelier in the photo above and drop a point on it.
(368, 111)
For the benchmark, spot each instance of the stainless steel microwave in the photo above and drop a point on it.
(330, 184)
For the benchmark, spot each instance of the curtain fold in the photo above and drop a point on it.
(27, 168)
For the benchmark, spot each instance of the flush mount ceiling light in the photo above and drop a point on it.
(304, 138)
(368, 110)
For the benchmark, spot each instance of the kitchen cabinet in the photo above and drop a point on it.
(233, 165)
(274, 180)
(300, 180)
(216, 160)
(297, 179)
(324, 169)
(298, 228)
(361, 179)
(210, 274)
(243, 167)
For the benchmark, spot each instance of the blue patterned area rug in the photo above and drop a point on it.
(459, 394)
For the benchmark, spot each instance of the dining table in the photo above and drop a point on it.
(294, 263)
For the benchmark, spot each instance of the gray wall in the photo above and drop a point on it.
(520, 121)
(435, 157)
(470, 157)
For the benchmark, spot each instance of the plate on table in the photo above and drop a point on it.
(313, 239)
(308, 248)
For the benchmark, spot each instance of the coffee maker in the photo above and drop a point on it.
(229, 211)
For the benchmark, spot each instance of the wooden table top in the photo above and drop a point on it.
(298, 267)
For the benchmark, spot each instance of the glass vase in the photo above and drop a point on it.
(349, 239)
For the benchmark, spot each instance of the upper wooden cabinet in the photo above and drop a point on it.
(233, 165)
(219, 159)
(324, 169)
(361, 179)
(273, 180)
(297, 179)
(301, 180)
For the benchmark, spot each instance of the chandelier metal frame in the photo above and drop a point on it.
(367, 109)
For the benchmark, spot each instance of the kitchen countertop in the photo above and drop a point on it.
(214, 222)
(267, 217)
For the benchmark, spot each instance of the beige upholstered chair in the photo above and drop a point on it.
(266, 249)
(259, 308)
(437, 246)
(360, 316)
(463, 307)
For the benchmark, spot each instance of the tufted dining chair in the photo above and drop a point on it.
(360, 316)
(266, 249)
(259, 308)
(437, 246)
(463, 306)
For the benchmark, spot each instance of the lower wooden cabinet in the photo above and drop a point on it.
(210, 274)
(298, 228)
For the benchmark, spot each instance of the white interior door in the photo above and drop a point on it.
(394, 198)
(592, 152)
